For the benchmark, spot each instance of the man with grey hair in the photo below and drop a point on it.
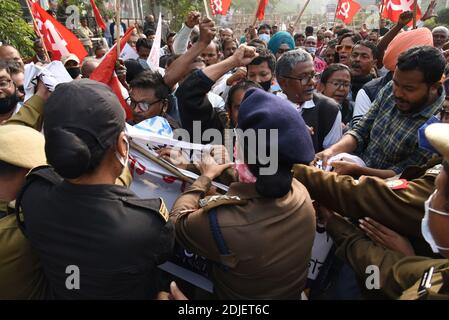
(296, 76)
(440, 36)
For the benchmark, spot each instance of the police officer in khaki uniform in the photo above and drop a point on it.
(74, 215)
(400, 276)
(396, 204)
(21, 276)
(260, 234)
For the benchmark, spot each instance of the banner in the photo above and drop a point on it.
(393, 8)
(58, 40)
(220, 7)
(346, 10)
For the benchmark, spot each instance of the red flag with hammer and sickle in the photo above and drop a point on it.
(346, 10)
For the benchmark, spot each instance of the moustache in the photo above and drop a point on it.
(355, 65)
(400, 100)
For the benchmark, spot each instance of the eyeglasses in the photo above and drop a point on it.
(346, 48)
(144, 106)
(5, 84)
(21, 89)
(339, 84)
(306, 79)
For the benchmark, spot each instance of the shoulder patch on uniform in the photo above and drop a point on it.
(163, 211)
(397, 184)
(220, 200)
(435, 170)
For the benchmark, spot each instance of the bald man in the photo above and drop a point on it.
(8, 52)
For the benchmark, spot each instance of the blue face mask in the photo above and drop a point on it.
(264, 37)
(422, 140)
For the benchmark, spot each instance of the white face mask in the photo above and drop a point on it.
(123, 160)
(264, 37)
(425, 229)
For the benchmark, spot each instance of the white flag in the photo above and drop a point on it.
(155, 53)
(128, 52)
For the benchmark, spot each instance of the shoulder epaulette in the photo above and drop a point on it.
(211, 202)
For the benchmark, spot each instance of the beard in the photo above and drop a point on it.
(408, 107)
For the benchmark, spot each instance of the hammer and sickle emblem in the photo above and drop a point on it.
(344, 9)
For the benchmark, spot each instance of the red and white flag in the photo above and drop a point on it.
(58, 40)
(98, 17)
(155, 53)
(261, 10)
(105, 72)
(220, 7)
(346, 10)
(393, 8)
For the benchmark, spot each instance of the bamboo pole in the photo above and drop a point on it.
(207, 10)
(117, 26)
(415, 10)
(255, 13)
(38, 31)
(301, 13)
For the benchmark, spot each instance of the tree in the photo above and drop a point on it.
(14, 30)
(443, 16)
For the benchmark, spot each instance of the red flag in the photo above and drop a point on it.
(346, 10)
(220, 6)
(105, 72)
(98, 17)
(57, 39)
(393, 8)
(261, 9)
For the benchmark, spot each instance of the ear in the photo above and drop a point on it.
(320, 87)
(121, 144)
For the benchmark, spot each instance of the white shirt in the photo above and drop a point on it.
(362, 105)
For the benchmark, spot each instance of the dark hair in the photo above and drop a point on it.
(298, 35)
(354, 37)
(265, 56)
(144, 43)
(264, 26)
(309, 29)
(243, 85)
(7, 169)
(171, 34)
(73, 152)
(149, 32)
(172, 59)
(15, 67)
(133, 69)
(5, 66)
(425, 59)
(226, 41)
(331, 69)
(99, 47)
(149, 79)
(370, 45)
(257, 43)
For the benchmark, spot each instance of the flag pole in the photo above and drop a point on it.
(415, 10)
(38, 31)
(117, 26)
(335, 16)
(207, 10)
(380, 14)
(255, 13)
(301, 13)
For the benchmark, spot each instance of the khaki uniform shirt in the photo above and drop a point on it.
(269, 240)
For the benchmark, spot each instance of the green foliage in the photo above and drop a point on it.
(14, 30)
(443, 16)
(180, 9)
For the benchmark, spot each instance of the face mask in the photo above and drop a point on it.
(425, 229)
(74, 72)
(8, 103)
(422, 140)
(123, 160)
(264, 37)
(311, 50)
(266, 85)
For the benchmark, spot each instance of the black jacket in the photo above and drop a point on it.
(194, 105)
(115, 239)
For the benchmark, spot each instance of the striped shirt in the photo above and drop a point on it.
(387, 138)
